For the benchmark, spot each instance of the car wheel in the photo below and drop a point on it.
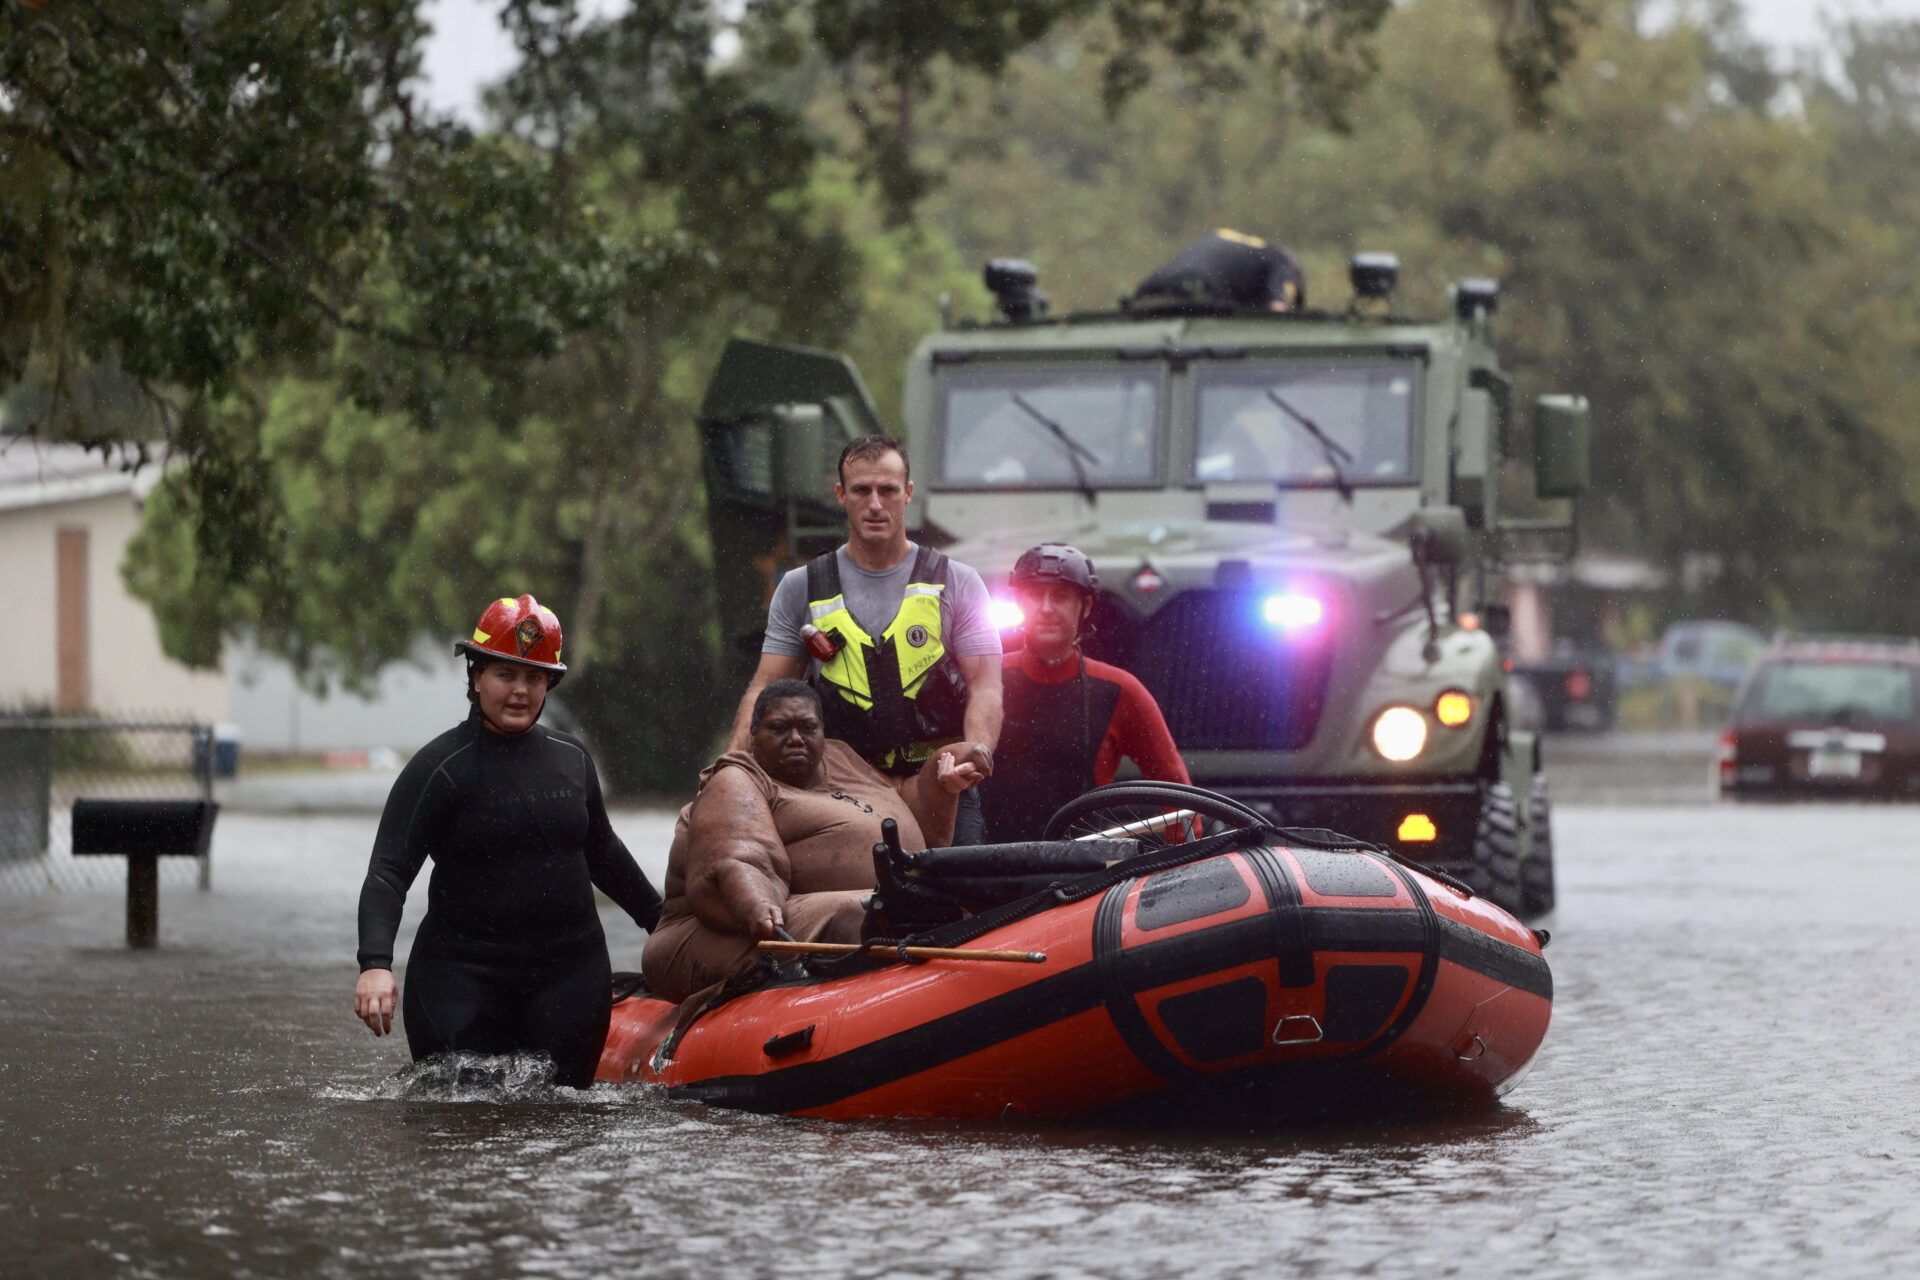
(1495, 869)
(1536, 873)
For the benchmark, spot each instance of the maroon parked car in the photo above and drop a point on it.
(1827, 716)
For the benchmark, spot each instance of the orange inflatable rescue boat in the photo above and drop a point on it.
(1244, 966)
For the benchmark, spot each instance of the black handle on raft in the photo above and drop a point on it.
(888, 860)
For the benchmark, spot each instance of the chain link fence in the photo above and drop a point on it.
(49, 761)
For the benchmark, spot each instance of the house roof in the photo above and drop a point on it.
(34, 473)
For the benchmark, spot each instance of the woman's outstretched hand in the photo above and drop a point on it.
(374, 999)
(953, 776)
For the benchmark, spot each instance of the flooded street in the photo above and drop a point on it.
(1728, 1087)
(1366, 407)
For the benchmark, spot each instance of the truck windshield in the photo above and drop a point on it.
(1049, 429)
(1306, 424)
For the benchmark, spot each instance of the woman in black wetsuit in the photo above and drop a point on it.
(511, 956)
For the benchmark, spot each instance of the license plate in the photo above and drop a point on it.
(1833, 763)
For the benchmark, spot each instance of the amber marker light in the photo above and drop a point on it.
(1417, 827)
(1453, 708)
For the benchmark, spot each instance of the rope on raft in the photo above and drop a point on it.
(881, 951)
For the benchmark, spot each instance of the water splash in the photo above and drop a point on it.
(500, 1079)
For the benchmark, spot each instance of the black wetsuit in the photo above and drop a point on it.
(1242, 271)
(511, 956)
(1067, 728)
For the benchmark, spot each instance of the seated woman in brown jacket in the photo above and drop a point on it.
(781, 837)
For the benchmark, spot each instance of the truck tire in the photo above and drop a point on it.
(1495, 870)
(1536, 873)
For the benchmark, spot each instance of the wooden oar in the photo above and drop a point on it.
(912, 953)
(1143, 826)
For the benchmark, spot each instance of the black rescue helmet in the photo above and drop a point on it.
(1055, 562)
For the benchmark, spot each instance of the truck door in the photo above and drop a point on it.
(772, 424)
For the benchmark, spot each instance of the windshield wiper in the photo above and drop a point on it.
(1332, 450)
(1075, 450)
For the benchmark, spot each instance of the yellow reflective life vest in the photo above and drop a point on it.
(898, 699)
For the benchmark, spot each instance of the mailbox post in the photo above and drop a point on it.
(143, 832)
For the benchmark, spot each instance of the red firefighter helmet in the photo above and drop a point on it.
(517, 630)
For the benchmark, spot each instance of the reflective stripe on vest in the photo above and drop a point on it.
(914, 633)
(847, 671)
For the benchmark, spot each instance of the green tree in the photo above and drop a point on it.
(897, 68)
(576, 477)
(194, 188)
(407, 364)
(190, 192)
(1726, 275)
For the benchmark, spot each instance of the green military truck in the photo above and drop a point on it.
(1296, 518)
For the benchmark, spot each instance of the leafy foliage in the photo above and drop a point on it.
(412, 366)
(1727, 277)
(196, 187)
(575, 475)
(898, 62)
(191, 187)
(196, 192)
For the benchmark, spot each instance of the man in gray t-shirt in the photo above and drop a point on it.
(874, 571)
(873, 598)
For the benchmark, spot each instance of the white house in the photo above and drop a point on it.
(66, 517)
(79, 641)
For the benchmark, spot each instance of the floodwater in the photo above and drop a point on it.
(1729, 1087)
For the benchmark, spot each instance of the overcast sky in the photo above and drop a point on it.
(468, 48)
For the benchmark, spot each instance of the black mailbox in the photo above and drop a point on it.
(143, 832)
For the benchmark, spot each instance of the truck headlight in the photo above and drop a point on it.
(1399, 733)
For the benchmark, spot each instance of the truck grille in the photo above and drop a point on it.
(1223, 680)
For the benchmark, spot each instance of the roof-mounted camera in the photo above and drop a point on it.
(1476, 299)
(1374, 275)
(1011, 281)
